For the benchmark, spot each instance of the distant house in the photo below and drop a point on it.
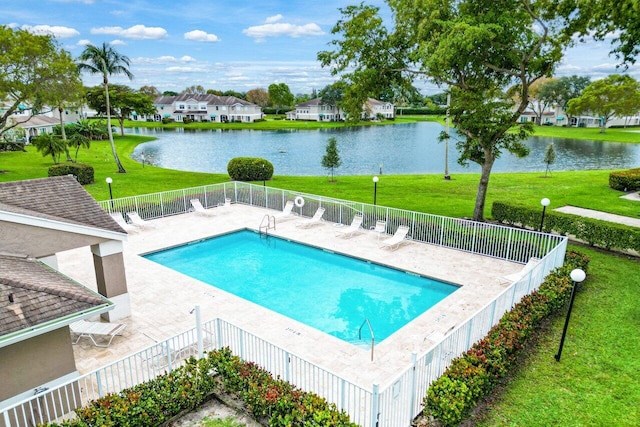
(39, 218)
(206, 108)
(556, 116)
(316, 110)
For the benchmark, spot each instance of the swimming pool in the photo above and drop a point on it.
(328, 291)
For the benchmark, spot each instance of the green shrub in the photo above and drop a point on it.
(607, 235)
(628, 180)
(186, 120)
(83, 173)
(473, 375)
(249, 169)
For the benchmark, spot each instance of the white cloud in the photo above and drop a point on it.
(76, 1)
(201, 36)
(117, 42)
(161, 60)
(54, 30)
(187, 58)
(273, 19)
(274, 28)
(137, 32)
(84, 42)
(185, 69)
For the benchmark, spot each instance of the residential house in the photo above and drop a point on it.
(206, 108)
(39, 218)
(557, 116)
(316, 110)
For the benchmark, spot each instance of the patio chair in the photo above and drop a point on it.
(397, 239)
(199, 209)
(315, 220)
(380, 228)
(96, 331)
(139, 222)
(353, 229)
(287, 212)
(117, 216)
(225, 206)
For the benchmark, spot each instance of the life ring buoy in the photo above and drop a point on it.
(299, 201)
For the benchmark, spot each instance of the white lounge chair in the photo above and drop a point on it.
(353, 229)
(287, 212)
(317, 219)
(117, 216)
(397, 239)
(139, 222)
(199, 209)
(510, 278)
(380, 228)
(105, 331)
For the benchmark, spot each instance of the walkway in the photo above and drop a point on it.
(588, 213)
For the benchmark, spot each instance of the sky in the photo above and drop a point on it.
(222, 44)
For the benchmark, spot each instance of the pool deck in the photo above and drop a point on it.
(161, 299)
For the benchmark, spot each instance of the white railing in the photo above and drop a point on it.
(496, 241)
(394, 403)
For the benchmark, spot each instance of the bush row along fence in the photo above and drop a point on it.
(604, 234)
(480, 238)
(391, 402)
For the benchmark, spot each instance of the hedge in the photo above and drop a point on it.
(628, 180)
(474, 375)
(166, 397)
(604, 234)
(249, 169)
(84, 173)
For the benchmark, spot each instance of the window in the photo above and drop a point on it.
(181, 107)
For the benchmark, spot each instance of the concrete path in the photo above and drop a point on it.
(620, 219)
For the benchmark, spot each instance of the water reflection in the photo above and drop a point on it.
(399, 149)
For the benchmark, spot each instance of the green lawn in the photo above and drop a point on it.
(596, 381)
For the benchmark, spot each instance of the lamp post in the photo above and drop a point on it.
(544, 202)
(264, 177)
(577, 276)
(381, 164)
(109, 181)
(142, 157)
(375, 189)
(446, 143)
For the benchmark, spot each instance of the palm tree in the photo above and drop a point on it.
(106, 61)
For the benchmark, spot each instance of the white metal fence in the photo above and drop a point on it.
(485, 239)
(395, 402)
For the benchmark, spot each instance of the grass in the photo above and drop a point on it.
(596, 381)
(425, 193)
(220, 422)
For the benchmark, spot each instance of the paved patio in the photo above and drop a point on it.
(161, 299)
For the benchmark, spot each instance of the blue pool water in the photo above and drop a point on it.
(330, 292)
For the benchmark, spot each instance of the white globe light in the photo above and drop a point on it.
(577, 275)
(109, 180)
(375, 179)
(545, 202)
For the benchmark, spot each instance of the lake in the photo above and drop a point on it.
(396, 149)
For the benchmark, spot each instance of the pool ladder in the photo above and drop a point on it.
(373, 338)
(270, 223)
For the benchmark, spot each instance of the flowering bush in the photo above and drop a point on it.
(473, 375)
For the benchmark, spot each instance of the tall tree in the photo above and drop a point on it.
(537, 104)
(331, 159)
(150, 91)
(561, 91)
(107, 61)
(194, 90)
(475, 47)
(258, 96)
(616, 95)
(123, 102)
(280, 95)
(29, 64)
(65, 90)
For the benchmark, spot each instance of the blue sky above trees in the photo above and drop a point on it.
(225, 45)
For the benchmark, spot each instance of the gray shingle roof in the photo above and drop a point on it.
(210, 99)
(59, 198)
(39, 295)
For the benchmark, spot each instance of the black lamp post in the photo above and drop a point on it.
(109, 181)
(577, 276)
(544, 202)
(375, 189)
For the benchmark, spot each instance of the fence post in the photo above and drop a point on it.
(414, 358)
(99, 384)
(375, 397)
(199, 331)
(219, 333)
(288, 367)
